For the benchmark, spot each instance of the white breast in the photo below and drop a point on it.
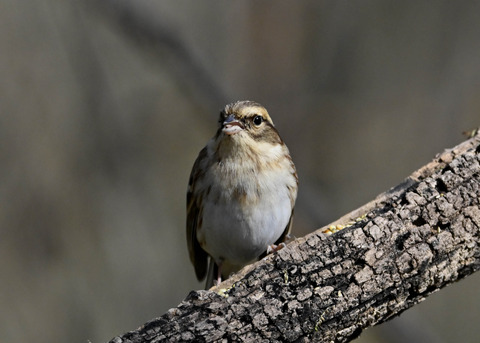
(245, 211)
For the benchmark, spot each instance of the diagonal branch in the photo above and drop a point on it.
(155, 36)
(406, 244)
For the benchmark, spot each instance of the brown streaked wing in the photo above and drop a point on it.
(198, 256)
(286, 231)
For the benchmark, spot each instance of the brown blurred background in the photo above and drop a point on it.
(104, 106)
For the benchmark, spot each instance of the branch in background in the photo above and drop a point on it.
(394, 251)
(151, 34)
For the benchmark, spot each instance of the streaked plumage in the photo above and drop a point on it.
(241, 192)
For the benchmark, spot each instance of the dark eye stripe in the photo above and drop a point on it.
(267, 134)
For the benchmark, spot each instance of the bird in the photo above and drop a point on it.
(241, 193)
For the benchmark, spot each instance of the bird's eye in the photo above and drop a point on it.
(257, 120)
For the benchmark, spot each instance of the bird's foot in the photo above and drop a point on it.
(274, 248)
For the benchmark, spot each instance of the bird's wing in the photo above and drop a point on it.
(198, 256)
(285, 233)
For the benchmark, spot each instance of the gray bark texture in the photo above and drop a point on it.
(391, 254)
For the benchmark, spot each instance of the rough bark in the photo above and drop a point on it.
(406, 244)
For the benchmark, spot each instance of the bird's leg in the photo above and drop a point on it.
(274, 247)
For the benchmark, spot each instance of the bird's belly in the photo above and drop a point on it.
(238, 233)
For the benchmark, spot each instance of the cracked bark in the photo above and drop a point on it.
(410, 242)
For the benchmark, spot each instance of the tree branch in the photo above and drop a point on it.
(152, 34)
(396, 250)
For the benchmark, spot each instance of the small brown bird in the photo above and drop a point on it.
(241, 193)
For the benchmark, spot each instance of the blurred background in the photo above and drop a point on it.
(105, 104)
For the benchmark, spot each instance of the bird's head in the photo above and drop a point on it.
(244, 121)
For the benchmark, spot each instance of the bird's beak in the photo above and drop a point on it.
(232, 126)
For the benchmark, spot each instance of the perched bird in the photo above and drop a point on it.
(241, 193)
